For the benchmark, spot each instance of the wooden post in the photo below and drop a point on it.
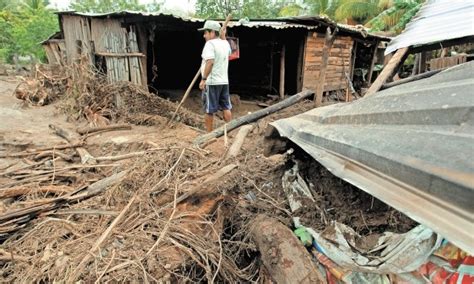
(372, 63)
(282, 72)
(300, 66)
(328, 41)
(353, 59)
(388, 71)
(422, 62)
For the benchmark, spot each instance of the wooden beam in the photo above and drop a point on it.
(388, 72)
(411, 79)
(328, 41)
(372, 64)
(131, 54)
(443, 44)
(282, 72)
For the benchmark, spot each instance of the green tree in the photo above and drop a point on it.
(323, 7)
(24, 24)
(395, 18)
(255, 9)
(105, 6)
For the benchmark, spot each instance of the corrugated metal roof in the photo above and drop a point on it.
(410, 146)
(437, 20)
(303, 22)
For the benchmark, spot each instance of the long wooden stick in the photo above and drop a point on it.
(190, 87)
(186, 94)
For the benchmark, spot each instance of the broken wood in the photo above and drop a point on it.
(395, 62)
(239, 141)
(22, 190)
(54, 154)
(328, 42)
(254, 116)
(411, 79)
(39, 150)
(86, 157)
(284, 256)
(88, 130)
(14, 220)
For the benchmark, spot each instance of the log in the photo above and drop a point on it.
(389, 70)
(88, 130)
(283, 255)
(86, 157)
(254, 116)
(411, 79)
(239, 141)
(328, 42)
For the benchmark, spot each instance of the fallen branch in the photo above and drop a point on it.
(88, 130)
(76, 273)
(53, 153)
(17, 191)
(86, 157)
(12, 221)
(39, 150)
(254, 116)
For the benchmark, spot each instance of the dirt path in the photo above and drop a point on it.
(22, 125)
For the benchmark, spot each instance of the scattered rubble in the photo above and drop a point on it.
(163, 209)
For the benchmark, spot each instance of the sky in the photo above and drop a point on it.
(186, 6)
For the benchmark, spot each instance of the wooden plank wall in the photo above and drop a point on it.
(339, 62)
(120, 49)
(77, 38)
(440, 63)
(55, 52)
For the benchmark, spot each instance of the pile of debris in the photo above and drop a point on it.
(169, 210)
(85, 93)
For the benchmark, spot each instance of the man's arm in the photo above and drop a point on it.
(207, 71)
(222, 33)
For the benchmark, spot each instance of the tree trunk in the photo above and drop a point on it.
(284, 256)
(253, 116)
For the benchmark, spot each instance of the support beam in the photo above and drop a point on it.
(372, 64)
(395, 62)
(282, 72)
(328, 41)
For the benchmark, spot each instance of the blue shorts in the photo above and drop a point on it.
(215, 98)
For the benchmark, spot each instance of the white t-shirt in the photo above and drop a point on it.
(219, 50)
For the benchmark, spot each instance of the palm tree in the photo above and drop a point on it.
(324, 7)
(360, 10)
(395, 17)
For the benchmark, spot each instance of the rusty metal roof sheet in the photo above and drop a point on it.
(411, 146)
(303, 22)
(437, 20)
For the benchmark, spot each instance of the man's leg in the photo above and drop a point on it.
(224, 102)
(227, 115)
(209, 121)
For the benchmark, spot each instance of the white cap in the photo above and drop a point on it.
(211, 25)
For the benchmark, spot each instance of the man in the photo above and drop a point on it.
(214, 79)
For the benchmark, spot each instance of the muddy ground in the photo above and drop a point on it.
(203, 237)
